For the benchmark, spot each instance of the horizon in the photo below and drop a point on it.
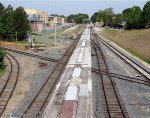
(66, 7)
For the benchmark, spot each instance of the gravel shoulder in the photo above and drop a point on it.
(136, 97)
(32, 76)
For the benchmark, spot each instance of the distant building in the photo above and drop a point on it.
(60, 22)
(64, 21)
(38, 20)
(51, 22)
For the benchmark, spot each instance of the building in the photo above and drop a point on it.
(38, 20)
(64, 21)
(51, 22)
(35, 22)
(43, 17)
(60, 22)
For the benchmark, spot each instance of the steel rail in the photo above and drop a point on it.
(9, 81)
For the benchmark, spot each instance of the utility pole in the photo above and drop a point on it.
(55, 18)
(55, 31)
(45, 20)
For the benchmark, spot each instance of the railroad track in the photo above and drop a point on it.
(30, 54)
(142, 71)
(9, 85)
(113, 105)
(123, 77)
(42, 96)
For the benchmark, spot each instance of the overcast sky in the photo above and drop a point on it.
(67, 7)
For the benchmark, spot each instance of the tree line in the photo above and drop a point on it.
(135, 17)
(13, 23)
(77, 18)
(57, 15)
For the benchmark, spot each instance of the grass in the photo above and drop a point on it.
(20, 42)
(36, 35)
(2, 71)
(25, 42)
(51, 35)
(58, 33)
(136, 42)
(67, 33)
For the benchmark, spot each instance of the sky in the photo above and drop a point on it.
(67, 7)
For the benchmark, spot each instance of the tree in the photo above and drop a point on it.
(126, 13)
(1, 60)
(8, 24)
(78, 18)
(107, 16)
(146, 14)
(12, 21)
(103, 16)
(70, 18)
(58, 15)
(62, 16)
(21, 23)
(118, 19)
(93, 17)
(2, 9)
(133, 17)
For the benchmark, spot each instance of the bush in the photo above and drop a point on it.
(2, 54)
